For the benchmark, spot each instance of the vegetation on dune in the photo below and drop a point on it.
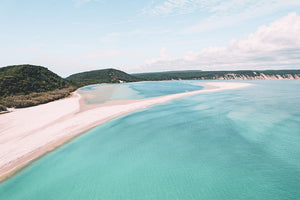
(2, 108)
(32, 99)
(29, 85)
(102, 76)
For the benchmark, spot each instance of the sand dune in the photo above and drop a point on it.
(28, 133)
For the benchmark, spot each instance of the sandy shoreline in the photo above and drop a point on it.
(28, 133)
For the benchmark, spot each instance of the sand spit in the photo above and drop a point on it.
(28, 133)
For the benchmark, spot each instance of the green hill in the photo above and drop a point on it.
(25, 79)
(27, 85)
(102, 76)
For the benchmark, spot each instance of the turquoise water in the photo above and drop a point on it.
(100, 93)
(161, 88)
(236, 144)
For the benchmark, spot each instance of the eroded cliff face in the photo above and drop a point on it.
(257, 76)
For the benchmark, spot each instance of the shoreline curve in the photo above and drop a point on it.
(28, 133)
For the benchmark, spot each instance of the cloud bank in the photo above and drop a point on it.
(276, 46)
(213, 7)
(214, 14)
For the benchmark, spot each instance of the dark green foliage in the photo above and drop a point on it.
(32, 99)
(102, 76)
(208, 75)
(2, 108)
(29, 85)
(25, 79)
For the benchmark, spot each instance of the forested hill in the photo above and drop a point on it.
(25, 79)
(28, 85)
(102, 76)
(220, 75)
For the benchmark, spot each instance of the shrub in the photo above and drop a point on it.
(22, 101)
(2, 108)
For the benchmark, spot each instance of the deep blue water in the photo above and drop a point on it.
(237, 144)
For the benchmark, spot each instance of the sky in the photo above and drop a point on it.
(70, 36)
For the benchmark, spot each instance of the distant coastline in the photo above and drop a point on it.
(222, 75)
(29, 85)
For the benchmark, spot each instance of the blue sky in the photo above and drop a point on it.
(70, 36)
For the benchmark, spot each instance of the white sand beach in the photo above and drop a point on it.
(26, 134)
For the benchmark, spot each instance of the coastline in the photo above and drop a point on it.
(28, 133)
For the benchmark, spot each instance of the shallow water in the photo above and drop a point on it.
(101, 93)
(234, 144)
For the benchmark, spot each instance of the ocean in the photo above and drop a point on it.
(241, 144)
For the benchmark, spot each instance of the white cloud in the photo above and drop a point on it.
(81, 2)
(163, 53)
(213, 7)
(135, 33)
(109, 53)
(110, 37)
(270, 47)
(172, 7)
(213, 14)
